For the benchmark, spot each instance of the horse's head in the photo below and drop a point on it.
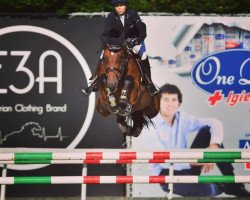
(115, 59)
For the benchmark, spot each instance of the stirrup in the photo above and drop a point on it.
(87, 91)
(92, 88)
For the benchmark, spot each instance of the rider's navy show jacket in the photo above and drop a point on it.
(133, 27)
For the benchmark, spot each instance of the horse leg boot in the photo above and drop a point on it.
(94, 86)
(123, 101)
(147, 78)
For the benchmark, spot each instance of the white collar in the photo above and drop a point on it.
(122, 18)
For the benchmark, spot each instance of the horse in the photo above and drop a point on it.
(122, 92)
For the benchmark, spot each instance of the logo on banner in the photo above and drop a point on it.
(40, 101)
(225, 75)
(245, 144)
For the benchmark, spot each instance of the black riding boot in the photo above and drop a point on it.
(147, 78)
(94, 87)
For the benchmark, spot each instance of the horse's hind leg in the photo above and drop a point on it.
(139, 122)
(122, 125)
(120, 120)
(127, 128)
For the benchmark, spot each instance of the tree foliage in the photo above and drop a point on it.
(169, 6)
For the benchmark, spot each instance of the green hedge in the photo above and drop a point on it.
(170, 6)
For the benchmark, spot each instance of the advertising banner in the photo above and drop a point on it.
(44, 61)
(208, 59)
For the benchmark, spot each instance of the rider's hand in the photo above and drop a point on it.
(132, 42)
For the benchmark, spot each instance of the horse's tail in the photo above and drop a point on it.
(140, 121)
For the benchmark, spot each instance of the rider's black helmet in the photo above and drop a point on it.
(114, 2)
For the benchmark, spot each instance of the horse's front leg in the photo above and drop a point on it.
(108, 99)
(123, 102)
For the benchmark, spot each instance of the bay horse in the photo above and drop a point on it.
(122, 92)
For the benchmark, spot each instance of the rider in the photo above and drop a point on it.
(126, 21)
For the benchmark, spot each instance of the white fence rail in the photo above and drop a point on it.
(27, 156)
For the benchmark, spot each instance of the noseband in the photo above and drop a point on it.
(118, 72)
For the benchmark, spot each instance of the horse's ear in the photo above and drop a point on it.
(106, 46)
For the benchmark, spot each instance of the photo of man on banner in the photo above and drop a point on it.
(170, 130)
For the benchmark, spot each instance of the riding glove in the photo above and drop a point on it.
(132, 42)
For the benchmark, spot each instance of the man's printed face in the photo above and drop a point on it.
(169, 104)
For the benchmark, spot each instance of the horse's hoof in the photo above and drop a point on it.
(137, 132)
(122, 128)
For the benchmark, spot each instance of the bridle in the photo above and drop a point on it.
(119, 72)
